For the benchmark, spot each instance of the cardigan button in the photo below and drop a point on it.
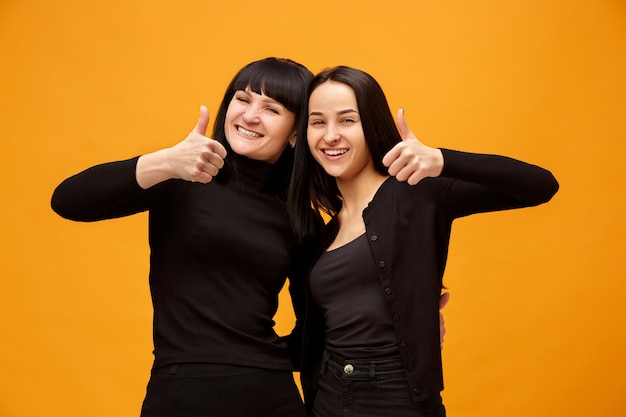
(381, 264)
(402, 343)
(417, 391)
(396, 317)
(388, 291)
(409, 366)
(374, 238)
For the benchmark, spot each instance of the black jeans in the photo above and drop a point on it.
(207, 390)
(369, 389)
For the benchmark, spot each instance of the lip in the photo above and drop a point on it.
(334, 153)
(247, 133)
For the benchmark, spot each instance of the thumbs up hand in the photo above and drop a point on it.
(197, 158)
(411, 160)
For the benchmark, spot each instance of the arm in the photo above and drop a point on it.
(523, 184)
(302, 260)
(120, 188)
(100, 192)
(481, 182)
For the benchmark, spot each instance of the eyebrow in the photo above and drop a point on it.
(266, 99)
(319, 113)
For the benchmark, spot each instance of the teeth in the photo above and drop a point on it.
(335, 152)
(248, 132)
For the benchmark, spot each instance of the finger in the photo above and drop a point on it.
(400, 170)
(391, 156)
(443, 300)
(415, 178)
(410, 175)
(403, 127)
(218, 148)
(201, 177)
(214, 160)
(203, 121)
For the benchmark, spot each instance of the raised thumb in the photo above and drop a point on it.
(203, 121)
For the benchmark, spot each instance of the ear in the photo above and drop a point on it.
(292, 140)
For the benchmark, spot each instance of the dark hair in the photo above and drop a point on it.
(311, 186)
(285, 81)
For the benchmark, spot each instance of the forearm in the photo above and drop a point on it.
(98, 192)
(153, 168)
(510, 177)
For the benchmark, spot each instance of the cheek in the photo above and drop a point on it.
(312, 137)
(228, 118)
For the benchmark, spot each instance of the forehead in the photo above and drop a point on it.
(333, 95)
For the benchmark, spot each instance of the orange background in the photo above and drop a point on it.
(535, 324)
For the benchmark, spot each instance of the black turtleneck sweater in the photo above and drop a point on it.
(220, 254)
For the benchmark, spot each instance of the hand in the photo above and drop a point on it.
(410, 160)
(197, 158)
(443, 300)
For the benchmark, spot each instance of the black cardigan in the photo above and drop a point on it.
(408, 229)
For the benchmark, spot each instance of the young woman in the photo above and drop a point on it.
(372, 331)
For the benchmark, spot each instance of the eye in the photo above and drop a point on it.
(347, 120)
(316, 122)
(273, 110)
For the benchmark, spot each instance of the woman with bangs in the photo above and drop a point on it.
(221, 248)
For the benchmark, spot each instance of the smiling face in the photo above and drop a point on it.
(335, 134)
(258, 126)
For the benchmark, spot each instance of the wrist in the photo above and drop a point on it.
(153, 168)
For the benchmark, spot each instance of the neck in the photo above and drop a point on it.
(357, 192)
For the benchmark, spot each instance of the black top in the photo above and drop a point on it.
(220, 254)
(408, 232)
(344, 284)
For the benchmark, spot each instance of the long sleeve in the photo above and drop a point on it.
(480, 183)
(103, 191)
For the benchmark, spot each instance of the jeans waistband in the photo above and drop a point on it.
(202, 369)
(363, 368)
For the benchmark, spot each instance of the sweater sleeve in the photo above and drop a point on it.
(103, 191)
(480, 182)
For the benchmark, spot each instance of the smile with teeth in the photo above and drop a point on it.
(247, 132)
(335, 152)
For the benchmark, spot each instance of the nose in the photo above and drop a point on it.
(251, 115)
(331, 135)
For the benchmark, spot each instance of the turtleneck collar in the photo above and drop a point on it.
(258, 175)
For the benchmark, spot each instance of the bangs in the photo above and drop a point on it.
(276, 79)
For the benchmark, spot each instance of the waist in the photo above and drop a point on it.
(203, 369)
(363, 368)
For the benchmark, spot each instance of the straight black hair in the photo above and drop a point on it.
(312, 189)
